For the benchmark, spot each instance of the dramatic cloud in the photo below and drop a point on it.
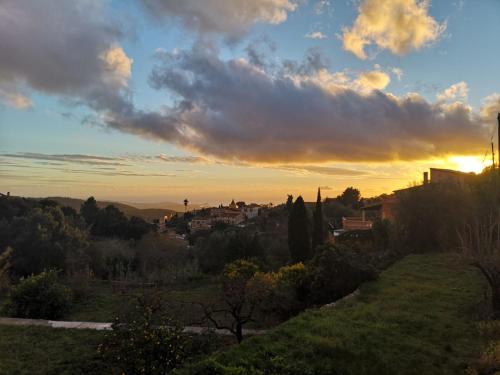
(66, 48)
(234, 110)
(396, 25)
(315, 35)
(230, 18)
(315, 70)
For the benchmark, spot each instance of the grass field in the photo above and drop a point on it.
(101, 304)
(418, 318)
(42, 350)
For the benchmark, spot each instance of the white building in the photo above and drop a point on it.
(251, 211)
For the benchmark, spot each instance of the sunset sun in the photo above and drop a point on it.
(474, 164)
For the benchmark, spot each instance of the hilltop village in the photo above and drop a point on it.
(366, 211)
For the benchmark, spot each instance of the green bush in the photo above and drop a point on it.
(148, 343)
(336, 272)
(429, 217)
(290, 291)
(39, 296)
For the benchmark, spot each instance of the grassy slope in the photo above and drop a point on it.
(418, 318)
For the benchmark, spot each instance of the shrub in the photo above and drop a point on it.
(221, 248)
(336, 272)
(39, 297)
(429, 217)
(149, 343)
(382, 232)
(290, 290)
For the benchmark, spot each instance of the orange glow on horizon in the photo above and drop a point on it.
(474, 164)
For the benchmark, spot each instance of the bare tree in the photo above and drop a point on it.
(480, 242)
(242, 295)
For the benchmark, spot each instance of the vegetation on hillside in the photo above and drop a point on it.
(417, 318)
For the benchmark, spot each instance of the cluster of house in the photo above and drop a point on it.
(385, 208)
(233, 214)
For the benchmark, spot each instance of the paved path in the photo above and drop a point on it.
(107, 326)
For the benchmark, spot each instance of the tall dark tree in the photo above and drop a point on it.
(299, 241)
(110, 222)
(43, 239)
(318, 237)
(89, 210)
(289, 202)
(350, 197)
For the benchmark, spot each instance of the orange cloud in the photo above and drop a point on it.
(396, 25)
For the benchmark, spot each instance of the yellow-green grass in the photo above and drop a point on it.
(419, 317)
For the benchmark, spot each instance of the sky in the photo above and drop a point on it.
(213, 100)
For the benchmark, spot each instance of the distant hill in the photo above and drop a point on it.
(146, 213)
(174, 206)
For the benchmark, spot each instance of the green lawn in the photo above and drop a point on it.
(418, 318)
(101, 304)
(43, 350)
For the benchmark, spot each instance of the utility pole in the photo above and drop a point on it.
(493, 157)
(498, 131)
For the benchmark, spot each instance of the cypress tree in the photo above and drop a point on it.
(89, 210)
(289, 202)
(299, 241)
(318, 226)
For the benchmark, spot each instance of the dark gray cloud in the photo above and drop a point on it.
(258, 51)
(65, 48)
(229, 18)
(235, 110)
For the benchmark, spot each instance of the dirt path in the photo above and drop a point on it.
(107, 326)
